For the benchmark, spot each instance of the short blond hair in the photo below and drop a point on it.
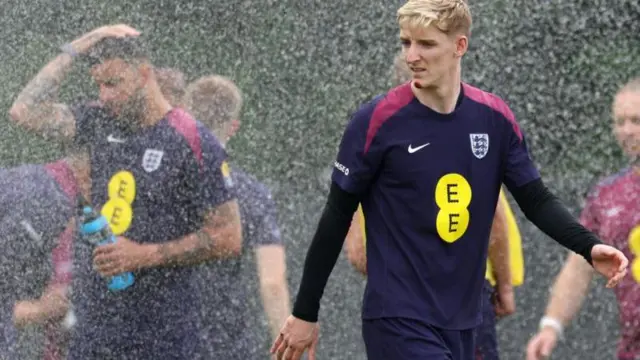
(449, 16)
(215, 100)
(172, 83)
(400, 72)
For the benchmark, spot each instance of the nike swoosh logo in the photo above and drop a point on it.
(111, 138)
(414, 149)
(33, 234)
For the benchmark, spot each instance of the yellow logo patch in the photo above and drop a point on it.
(225, 169)
(226, 174)
(453, 196)
(122, 193)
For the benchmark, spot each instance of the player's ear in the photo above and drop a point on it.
(462, 44)
(146, 72)
(234, 126)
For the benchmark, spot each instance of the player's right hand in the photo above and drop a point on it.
(504, 301)
(85, 42)
(541, 346)
(295, 337)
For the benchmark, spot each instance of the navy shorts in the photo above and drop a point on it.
(401, 338)
(486, 338)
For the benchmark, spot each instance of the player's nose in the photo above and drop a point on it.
(106, 95)
(629, 132)
(412, 54)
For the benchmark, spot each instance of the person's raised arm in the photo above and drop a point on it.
(36, 108)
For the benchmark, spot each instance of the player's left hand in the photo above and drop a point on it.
(122, 256)
(609, 262)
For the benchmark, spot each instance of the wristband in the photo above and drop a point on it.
(554, 324)
(69, 50)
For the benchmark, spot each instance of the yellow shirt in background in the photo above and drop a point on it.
(515, 247)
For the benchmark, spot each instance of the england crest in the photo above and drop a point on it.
(479, 145)
(151, 160)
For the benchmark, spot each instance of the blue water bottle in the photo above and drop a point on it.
(96, 231)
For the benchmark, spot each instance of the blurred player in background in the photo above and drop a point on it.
(505, 265)
(612, 211)
(426, 161)
(38, 205)
(51, 312)
(48, 312)
(158, 176)
(230, 309)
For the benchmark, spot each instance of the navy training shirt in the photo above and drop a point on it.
(153, 185)
(430, 183)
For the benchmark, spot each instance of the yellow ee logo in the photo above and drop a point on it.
(122, 193)
(224, 168)
(226, 174)
(634, 245)
(119, 214)
(122, 186)
(453, 196)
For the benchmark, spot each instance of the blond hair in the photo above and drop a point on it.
(449, 16)
(214, 100)
(400, 72)
(172, 83)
